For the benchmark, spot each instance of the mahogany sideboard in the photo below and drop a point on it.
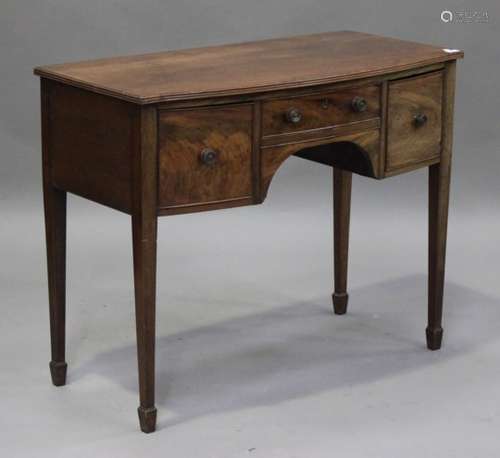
(205, 129)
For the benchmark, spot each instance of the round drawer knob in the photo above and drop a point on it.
(359, 104)
(208, 156)
(420, 119)
(294, 115)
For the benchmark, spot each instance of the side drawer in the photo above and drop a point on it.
(414, 121)
(205, 155)
(330, 108)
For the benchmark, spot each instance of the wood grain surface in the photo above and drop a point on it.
(243, 68)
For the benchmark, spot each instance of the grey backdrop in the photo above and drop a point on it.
(250, 361)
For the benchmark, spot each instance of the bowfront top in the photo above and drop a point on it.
(242, 68)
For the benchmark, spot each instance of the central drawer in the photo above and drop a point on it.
(324, 109)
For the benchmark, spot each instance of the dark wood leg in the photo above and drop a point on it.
(341, 208)
(439, 184)
(55, 231)
(144, 240)
(439, 191)
(144, 233)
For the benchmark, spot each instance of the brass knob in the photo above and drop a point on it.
(420, 119)
(208, 156)
(359, 104)
(294, 115)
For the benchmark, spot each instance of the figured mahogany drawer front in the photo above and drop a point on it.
(205, 155)
(320, 110)
(414, 120)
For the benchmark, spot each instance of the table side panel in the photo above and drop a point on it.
(91, 145)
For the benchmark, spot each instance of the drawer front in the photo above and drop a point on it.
(205, 155)
(320, 110)
(414, 120)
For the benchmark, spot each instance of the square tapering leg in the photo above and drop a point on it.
(342, 181)
(55, 232)
(55, 229)
(144, 234)
(144, 241)
(439, 181)
(439, 192)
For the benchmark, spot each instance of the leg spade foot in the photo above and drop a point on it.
(58, 372)
(340, 303)
(147, 419)
(434, 338)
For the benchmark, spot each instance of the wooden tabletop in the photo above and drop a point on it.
(243, 68)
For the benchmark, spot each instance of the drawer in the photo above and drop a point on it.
(205, 155)
(414, 120)
(320, 110)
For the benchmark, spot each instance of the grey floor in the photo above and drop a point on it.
(250, 359)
